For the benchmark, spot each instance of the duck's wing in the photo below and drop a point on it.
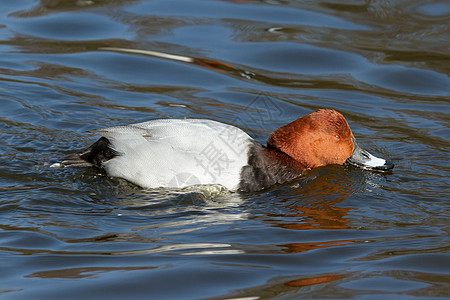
(164, 152)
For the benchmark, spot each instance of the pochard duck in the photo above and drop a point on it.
(175, 153)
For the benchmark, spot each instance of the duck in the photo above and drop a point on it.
(176, 153)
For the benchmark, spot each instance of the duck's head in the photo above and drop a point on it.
(322, 138)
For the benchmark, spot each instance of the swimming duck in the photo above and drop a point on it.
(175, 153)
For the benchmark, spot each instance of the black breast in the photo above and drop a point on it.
(267, 167)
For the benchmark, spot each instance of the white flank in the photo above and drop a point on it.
(176, 153)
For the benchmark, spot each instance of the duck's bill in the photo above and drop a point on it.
(363, 159)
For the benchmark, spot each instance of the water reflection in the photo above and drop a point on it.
(292, 287)
(172, 249)
(313, 280)
(209, 63)
(44, 7)
(314, 202)
(302, 247)
(88, 272)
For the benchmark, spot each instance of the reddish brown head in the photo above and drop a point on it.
(317, 139)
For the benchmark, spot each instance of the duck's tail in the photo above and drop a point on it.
(95, 155)
(71, 160)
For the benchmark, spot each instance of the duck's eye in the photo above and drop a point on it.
(337, 136)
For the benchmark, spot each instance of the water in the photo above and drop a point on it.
(338, 232)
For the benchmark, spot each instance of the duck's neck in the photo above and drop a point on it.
(268, 166)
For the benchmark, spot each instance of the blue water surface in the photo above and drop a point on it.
(336, 233)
